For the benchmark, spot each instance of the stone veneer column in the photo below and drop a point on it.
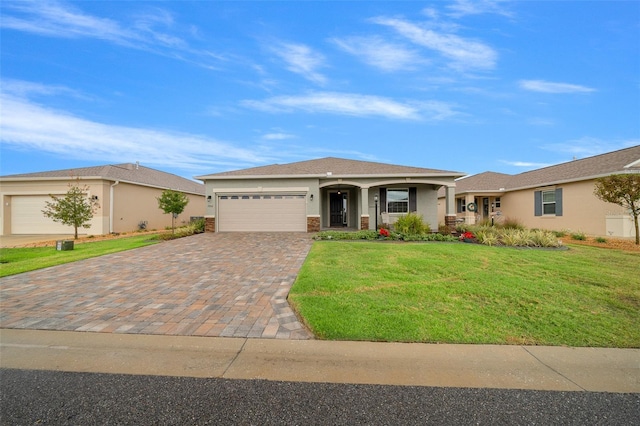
(313, 223)
(209, 224)
(450, 221)
(364, 221)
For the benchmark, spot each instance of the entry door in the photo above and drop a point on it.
(485, 207)
(337, 209)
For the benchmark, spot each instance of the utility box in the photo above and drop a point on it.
(64, 245)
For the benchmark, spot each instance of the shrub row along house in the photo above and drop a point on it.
(126, 194)
(559, 197)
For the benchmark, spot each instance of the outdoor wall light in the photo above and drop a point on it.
(94, 197)
(208, 197)
(311, 197)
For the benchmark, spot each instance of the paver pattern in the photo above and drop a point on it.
(223, 284)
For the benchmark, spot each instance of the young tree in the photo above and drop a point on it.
(172, 202)
(624, 190)
(74, 209)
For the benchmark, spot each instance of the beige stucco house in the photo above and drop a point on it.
(326, 193)
(126, 193)
(558, 197)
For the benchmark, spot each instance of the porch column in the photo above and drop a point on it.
(470, 217)
(364, 208)
(450, 214)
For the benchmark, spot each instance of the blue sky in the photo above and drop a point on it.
(198, 87)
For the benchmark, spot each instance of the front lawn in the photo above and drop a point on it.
(17, 260)
(469, 293)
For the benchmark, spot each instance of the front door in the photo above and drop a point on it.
(337, 209)
(485, 208)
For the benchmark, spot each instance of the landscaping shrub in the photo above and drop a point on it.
(411, 224)
(373, 235)
(601, 240)
(487, 237)
(580, 236)
(511, 223)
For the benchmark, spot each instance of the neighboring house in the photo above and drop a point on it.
(558, 197)
(308, 196)
(127, 195)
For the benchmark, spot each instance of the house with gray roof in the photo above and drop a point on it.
(558, 197)
(126, 193)
(326, 193)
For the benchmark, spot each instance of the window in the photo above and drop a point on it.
(497, 202)
(397, 200)
(460, 205)
(548, 202)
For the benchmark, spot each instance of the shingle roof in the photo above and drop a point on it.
(132, 173)
(486, 181)
(337, 167)
(622, 161)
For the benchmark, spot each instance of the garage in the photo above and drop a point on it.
(27, 217)
(262, 213)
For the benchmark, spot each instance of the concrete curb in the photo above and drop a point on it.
(474, 366)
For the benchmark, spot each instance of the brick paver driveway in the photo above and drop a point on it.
(232, 284)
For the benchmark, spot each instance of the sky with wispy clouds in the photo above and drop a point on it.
(199, 87)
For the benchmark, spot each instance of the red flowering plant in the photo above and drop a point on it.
(467, 236)
(384, 232)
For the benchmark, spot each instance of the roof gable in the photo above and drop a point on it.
(330, 166)
(127, 172)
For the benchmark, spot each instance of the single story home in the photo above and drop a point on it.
(327, 193)
(126, 193)
(558, 197)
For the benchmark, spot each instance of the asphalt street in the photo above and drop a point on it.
(65, 398)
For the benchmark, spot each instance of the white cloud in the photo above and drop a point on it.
(302, 60)
(277, 136)
(463, 53)
(525, 164)
(354, 105)
(148, 32)
(55, 19)
(589, 146)
(461, 8)
(551, 87)
(23, 88)
(375, 51)
(28, 126)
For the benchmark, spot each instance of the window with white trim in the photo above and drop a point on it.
(461, 207)
(397, 200)
(549, 202)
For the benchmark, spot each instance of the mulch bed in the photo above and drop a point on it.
(611, 243)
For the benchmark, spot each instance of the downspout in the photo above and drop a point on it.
(111, 206)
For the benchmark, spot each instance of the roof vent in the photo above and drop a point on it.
(137, 165)
(329, 173)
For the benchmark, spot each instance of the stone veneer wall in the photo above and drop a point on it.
(313, 224)
(210, 224)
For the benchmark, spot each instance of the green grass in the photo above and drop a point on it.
(18, 260)
(469, 293)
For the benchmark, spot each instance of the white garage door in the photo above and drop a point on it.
(262, 213)
(27, 217)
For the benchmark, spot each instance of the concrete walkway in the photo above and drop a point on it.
(473, 366)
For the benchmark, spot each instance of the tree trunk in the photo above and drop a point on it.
(75, 233)
(635, 221)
